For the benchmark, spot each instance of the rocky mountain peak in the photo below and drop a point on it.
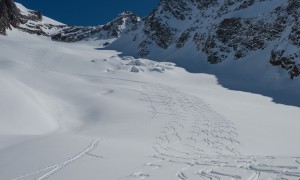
(122, 22)
(126, 14)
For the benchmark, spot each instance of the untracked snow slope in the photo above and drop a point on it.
(69, 111)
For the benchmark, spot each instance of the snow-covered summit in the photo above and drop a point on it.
(35, 23)
(15, 15)
(27, 12)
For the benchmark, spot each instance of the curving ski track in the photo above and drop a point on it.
(51, 170)
(204, 143)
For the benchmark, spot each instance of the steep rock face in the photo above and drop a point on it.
(161, 27)
(223, 31)
(126, 21)
(9, 15)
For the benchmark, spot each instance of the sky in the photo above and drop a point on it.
(88, 12)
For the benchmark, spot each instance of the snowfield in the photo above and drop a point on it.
(70, 111)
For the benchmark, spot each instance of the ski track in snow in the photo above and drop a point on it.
(51, 170)
(204, 143)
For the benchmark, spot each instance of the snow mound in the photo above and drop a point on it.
(23, 110)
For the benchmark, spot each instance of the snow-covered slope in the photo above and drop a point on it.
(69, 111)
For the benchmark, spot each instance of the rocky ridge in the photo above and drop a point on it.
(14, 15)
(224, 30)
(125, 22)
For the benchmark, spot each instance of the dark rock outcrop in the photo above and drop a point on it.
(9, 15)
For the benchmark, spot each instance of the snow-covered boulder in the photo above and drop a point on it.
(157, 69)
(135, 62)
(134, 69)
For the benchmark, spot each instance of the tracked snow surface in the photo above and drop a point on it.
(70, 111)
